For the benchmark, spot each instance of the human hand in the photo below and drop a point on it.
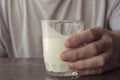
(99, 53)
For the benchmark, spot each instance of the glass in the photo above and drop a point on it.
(55, 32)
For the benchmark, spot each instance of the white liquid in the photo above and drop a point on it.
(52, 50)
(53, 46)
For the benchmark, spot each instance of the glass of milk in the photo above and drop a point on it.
(55, 32)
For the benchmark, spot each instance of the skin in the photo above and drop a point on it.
(100, 51)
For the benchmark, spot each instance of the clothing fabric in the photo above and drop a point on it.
(20, 27)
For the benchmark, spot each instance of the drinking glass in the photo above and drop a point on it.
(55, 32)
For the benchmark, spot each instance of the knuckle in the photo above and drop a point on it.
(96, 33)
(108, 41)
(91, 33)
(102, 61)
(73, 56)
(94, 49)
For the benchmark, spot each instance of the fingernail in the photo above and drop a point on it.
(64, 56)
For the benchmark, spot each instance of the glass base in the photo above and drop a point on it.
(63, 74)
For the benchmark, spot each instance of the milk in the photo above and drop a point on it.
(53, 45)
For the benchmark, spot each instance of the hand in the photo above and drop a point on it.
(100, 51)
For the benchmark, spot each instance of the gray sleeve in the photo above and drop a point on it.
(114, 20)
(4, 34)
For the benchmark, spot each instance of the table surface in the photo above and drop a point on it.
(34, 69)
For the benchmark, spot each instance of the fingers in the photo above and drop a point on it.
(90, 71)
(86, 36)
(94, 62)
(88, 51)
(99, 70)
